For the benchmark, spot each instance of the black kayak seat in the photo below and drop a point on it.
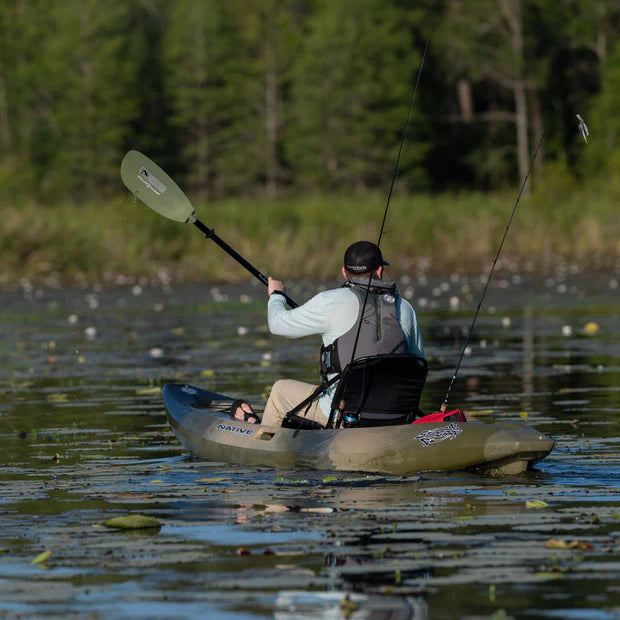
(382, 390)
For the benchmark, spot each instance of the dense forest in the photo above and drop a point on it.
(276, 97)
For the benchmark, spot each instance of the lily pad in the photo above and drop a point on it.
(536, 503)
(132, 522)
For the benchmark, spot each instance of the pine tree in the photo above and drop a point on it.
(91, 83)
(350, 94)
(200, 52)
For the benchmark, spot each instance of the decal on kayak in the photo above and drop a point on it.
(189, 390)
(235, 430)
(438, 434)
(151, 181)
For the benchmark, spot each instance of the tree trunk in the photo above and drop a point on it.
(5, 127)
(511, 10)
(202, 163)
(271, 113)
(466, 104)
(537, 129)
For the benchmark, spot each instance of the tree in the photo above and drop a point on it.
(90, 83)
(349, 96)
(270, 33)
(485, 43)
(201, 58)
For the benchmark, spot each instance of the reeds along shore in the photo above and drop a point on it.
(305, 237)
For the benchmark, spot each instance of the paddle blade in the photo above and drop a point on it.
(146, 180)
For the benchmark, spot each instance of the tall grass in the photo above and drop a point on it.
(305, 237)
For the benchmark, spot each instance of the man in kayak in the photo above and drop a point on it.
(389, 325)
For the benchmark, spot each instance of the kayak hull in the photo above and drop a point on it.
(201, 421)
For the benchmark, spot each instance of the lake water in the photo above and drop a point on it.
(85, 438)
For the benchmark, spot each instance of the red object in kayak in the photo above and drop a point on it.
(454, 415)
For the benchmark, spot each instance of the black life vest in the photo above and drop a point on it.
(380, 334)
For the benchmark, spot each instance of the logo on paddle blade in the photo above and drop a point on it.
(189, 390)
(235, 430)
(151, 181)
(439, 434)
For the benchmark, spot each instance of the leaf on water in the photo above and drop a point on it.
(57, 397)
(42, 557)
(156, 480)
(523, 414)
(150, 390)
(317, 510)
(591, 328)
(569, 544)
(348, 607)
(178, 331)
(207, 373)
(330, 479)
(548, 575)
(536, 503)
(211, 480)
(132, 522)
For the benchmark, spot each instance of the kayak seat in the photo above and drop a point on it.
(382, 390)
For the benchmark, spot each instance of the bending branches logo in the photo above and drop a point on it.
(439, 434)
(151, 181)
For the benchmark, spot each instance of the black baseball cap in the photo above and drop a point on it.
(363, 257)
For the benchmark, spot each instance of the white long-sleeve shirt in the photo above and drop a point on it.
(331, 314)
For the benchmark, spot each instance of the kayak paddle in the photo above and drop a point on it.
(148, 182)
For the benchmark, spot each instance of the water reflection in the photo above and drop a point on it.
(85, 438)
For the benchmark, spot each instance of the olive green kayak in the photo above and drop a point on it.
(202, 423)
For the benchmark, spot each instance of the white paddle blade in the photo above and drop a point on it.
(146, 180)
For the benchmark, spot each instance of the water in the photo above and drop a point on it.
(85, 439)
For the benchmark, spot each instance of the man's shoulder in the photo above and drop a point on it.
(335, 298)
(335, 294)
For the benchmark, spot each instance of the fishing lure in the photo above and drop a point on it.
(583, 128)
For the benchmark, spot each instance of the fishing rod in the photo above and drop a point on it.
(392, 184)
(402, 142)
(324, 385)
(584, 133)
(444, 405)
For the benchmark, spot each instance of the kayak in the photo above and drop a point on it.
(202, 423)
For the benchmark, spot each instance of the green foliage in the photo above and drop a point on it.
(424, 232)
(351, 86)
(251, 100)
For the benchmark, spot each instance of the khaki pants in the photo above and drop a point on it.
(286, 394)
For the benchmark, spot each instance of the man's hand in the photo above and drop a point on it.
(274, 285)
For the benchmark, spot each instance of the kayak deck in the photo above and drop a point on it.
(201, 421)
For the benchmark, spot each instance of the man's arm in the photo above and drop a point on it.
(409, 322)
(309, 318)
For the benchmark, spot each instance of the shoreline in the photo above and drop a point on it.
(426, 235)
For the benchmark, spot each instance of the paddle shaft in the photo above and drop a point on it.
(209, 233)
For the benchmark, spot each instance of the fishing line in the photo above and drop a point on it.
(392, 184)
(402, 142)
(486, 286)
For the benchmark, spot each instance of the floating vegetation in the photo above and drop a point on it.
(133, 522)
